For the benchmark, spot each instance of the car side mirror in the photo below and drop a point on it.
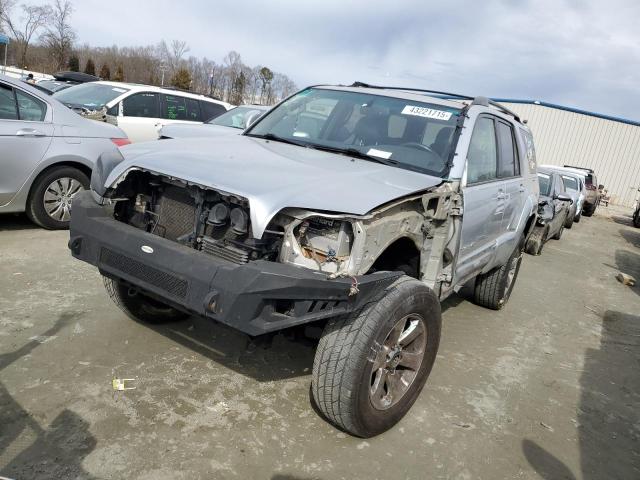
(563, 197)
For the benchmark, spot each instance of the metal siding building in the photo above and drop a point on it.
(608, 145)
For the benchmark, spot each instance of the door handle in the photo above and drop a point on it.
(29, 132)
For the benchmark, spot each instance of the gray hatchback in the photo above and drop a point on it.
(48, 153)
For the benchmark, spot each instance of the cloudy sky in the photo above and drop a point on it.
(581, 53)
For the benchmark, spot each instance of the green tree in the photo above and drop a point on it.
(105, 73)
(266, 75)
(74, 63)
(119, 76)
(90, 68)
(181, 79)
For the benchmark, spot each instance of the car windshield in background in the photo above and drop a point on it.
(545, 183)
(402, 133)
(89, 95)
(236, 117)
(570, 183)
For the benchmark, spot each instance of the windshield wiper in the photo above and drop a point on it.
(354, 152)
(276, 138)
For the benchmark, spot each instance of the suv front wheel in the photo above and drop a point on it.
(371, 366)
(138, 306)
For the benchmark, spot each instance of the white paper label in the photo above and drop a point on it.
(379, 153)
(426, 112)
(116, 89)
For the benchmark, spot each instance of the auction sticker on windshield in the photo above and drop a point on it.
(426, 112)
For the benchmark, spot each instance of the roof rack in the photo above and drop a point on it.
(410, 89)
(484, 101)
(579, 168)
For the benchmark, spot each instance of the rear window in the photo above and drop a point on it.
(530, 149)
(90, 95)
(211, 110)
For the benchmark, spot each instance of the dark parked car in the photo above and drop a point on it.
(63, 80)
(553, 209)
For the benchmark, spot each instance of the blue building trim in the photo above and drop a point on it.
(568, 109)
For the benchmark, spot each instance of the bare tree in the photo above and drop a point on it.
(172, 55)
(60, 36)
(33, 18)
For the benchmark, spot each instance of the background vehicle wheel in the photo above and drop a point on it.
(636, 219)
(50, 198)
(371, 366)
(140, 307)
(558, 235)
(588, 210)
(493, 289)
(568, 223)
(577, 218)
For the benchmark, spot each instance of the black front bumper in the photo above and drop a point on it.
(255, 298)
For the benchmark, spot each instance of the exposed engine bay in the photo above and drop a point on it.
(219, 224)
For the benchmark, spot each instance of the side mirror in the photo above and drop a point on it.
(563, 197)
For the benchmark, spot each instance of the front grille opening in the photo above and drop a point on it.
(285, 307)
(167, 282)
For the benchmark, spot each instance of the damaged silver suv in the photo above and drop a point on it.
(357, 208)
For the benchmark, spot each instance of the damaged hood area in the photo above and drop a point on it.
(273, 175)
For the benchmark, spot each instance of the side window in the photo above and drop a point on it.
(193, 110)
(482, 158)
(211, 110)
(30, 108)
(8, 110)
(174, 108)
(141, 105)
(530, 150)
(507, 164)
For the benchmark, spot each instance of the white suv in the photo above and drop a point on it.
(140, 110)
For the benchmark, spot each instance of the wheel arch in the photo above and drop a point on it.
(78, 162)
(400, 251)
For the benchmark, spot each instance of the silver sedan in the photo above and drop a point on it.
(47, 153)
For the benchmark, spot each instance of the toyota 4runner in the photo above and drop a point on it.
(360, 208)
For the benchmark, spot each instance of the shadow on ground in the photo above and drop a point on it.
(16, 221)
(608, 417)
(287, 354)
(28, 450)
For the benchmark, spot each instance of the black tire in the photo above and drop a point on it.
(140, 307)
(35, 205)
(636, 219)
(493, 289)
(588, 210)
(558, 234)
(535, 242)
(568, 223)
(350, 348)
(577, 218)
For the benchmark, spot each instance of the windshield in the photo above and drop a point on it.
(544, 181)
(237, 117)
(570, 183)
(89, 95)
(401, 133)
